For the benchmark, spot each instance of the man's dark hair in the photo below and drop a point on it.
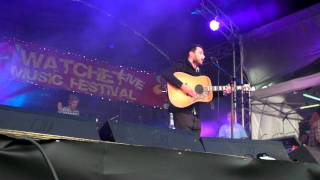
(73, 98)
(192, 48)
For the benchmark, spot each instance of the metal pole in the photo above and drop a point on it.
(234, 92)
(232, 116)
(218, 114)
(250, 111)
(241, 76)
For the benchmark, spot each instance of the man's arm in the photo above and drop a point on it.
(168, 75)
(170, 78)
(317, 133)
(315, 126)
(243, 132)
(59, 107)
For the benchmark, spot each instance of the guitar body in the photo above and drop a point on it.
(198, 83)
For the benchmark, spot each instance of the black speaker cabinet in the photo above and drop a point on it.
(306, 154)
(47, 123)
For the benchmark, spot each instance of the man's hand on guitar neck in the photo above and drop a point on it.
(227, 90)
(187, 90)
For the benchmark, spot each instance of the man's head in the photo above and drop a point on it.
(229, 117)
(196, 54)
(315, 120)
(73, 102)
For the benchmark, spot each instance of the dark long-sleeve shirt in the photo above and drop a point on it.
(185, 67)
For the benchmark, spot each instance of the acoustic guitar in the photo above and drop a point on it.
(201, 85)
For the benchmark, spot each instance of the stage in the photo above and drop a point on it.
(75, 158)
(160, 90)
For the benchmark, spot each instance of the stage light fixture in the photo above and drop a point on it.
(310, 106)
(311, 97)
(214, 25)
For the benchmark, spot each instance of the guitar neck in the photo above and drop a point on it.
(222, 88)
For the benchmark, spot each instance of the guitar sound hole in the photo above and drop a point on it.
(199, 89)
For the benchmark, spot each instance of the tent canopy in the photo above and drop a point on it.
(283, 47)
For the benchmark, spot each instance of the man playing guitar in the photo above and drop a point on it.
(188, 117)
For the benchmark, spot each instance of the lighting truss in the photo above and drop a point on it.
(209, 11)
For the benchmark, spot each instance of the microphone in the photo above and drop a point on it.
(211, 60)
(214, 60)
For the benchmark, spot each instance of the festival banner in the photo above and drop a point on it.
(26, 62)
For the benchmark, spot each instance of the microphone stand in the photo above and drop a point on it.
(233, 97)
(218, 114)
(216, 64)
(234, 92)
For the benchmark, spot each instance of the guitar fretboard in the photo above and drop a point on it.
(222, 88)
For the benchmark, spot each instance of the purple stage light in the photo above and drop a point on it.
(214, 25)
(209, 128)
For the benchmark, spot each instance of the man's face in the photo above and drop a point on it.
(315, 123)
(197, 55)
(73, 104)
(229, 117)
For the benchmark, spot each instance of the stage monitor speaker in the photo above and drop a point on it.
(186, 140)
(46, 123)
(306, 154)
(244, 147)
(130, 133)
